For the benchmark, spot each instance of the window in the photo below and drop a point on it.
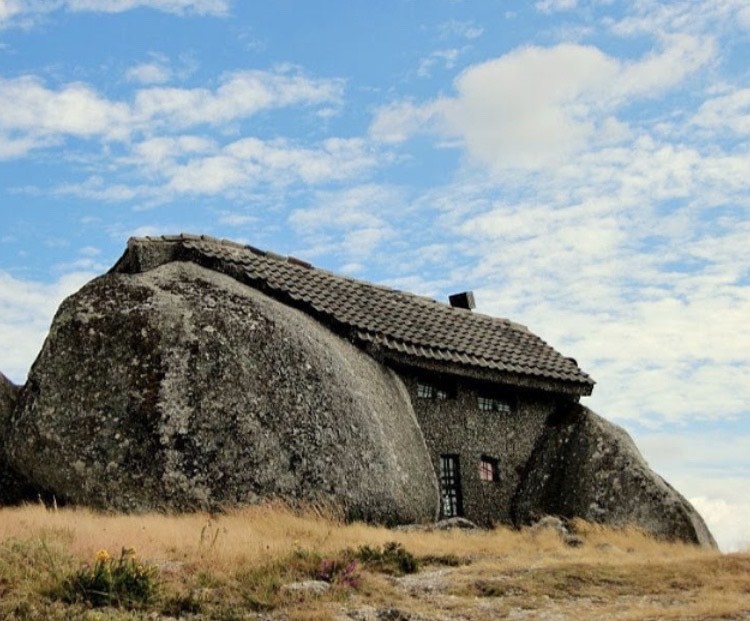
(425, 391)
(488, 469)
(492, 404)
(430, 391)
(450, 486)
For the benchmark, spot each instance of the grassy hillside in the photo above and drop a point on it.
(75, 564)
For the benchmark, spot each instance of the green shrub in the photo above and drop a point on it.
(339, 571)
(391, 559)
(124, 582)
(447, 560)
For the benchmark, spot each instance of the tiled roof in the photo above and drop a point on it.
(406, 327)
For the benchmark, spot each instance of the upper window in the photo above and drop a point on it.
(430, 391)
(488, 469)
(425, 391)
(492, 404)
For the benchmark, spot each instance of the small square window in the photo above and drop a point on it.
(485, 404)
(488, 469)
(431, 391)
(425, 391)
(502, 406)
(491, 404)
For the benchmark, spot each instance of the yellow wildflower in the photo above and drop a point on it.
(102, 556)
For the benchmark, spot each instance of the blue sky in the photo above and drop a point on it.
(583, 166)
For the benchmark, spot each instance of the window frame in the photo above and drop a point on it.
(425, 390)
(502, 405)
(433, 390)
(451, 488)
(489, 466)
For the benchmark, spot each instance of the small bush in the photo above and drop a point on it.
(447, 560)
(342, 572)
(181, 604)
(391, 559)
(124, 582)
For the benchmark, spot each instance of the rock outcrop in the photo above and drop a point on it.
(585, 466)
(203, 374)
(13, 486)
(8, 395)
(180, 388)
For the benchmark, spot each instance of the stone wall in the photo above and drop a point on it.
(456, 425)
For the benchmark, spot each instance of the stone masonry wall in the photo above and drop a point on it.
(456, 425)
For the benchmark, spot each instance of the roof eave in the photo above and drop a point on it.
(147, 253)
(533, 382)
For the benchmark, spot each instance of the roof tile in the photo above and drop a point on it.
(394, 320)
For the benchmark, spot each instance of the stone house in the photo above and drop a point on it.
(483, 388)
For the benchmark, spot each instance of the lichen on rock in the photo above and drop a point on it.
(180, 388)
(587, 467)
(14, 487)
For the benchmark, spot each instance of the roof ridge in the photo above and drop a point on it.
(303, 263)
(417, 326)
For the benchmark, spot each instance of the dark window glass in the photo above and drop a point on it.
(493, 404)
(450, 486)
(426, 390)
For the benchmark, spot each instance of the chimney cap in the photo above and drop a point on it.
(464, 299)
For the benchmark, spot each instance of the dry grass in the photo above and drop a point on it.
(234, 564)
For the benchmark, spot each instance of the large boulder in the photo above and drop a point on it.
(180, 388)
(8, 395)
(585, 466)
(13, 486)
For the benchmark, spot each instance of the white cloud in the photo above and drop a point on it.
(396, 122)
(457, 28)
(240, 95)
(728, 521)
(530, 107)
(173, 166)
(353, 222)
(25, 12)
(149, 73)
(358, 207)
(36, 116)
(13, 148)
(26, 307)
(685, 16)
(743, 16)
(237, 219)
(536, 107)
(208, 175)
(9, 9)
(551, 6)
(631, 259)
(446, 58)
(729, 112)
(156, 154)
(251, 161)
(711, 467)
(96, 188)
(179, 7)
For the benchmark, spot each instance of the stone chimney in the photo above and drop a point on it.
(462, 300)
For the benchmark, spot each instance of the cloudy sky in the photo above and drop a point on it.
(582, 165)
